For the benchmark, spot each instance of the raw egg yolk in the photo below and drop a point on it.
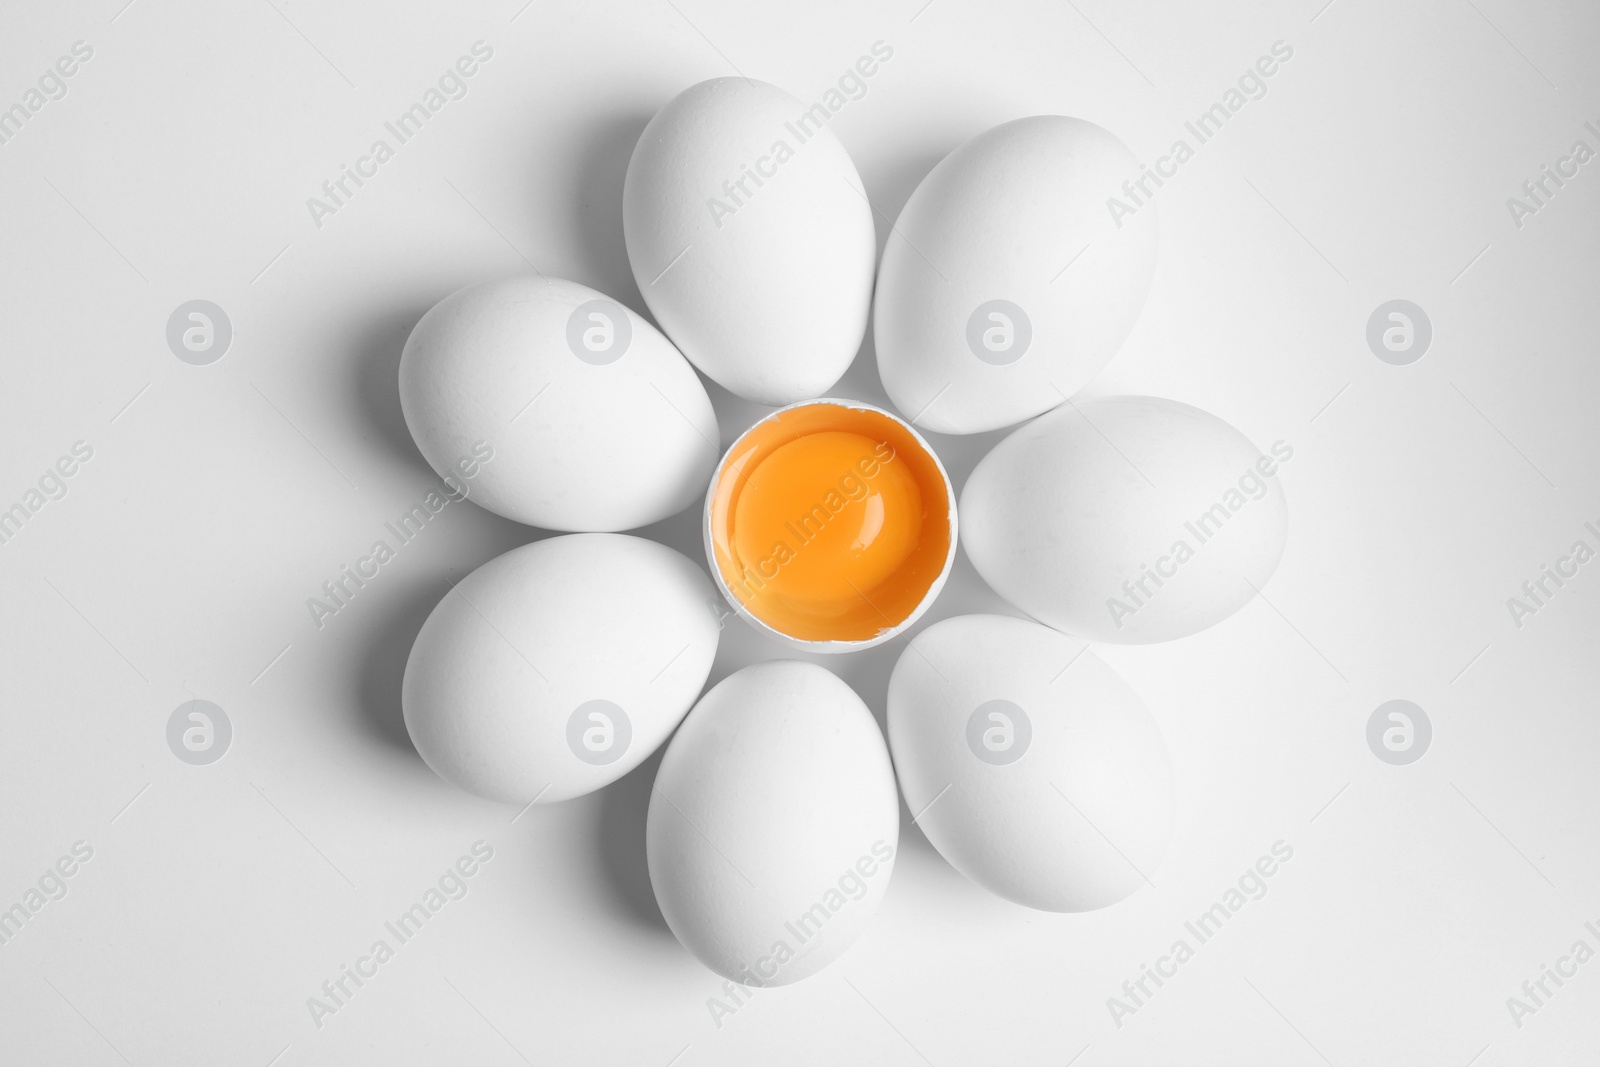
(830, 515)
(830, 522)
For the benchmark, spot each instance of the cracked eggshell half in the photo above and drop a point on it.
(552, 404)
(556, 668)
(1038, 772)
(1127, 519)
(830, 525)
(773, 824)
(1006, 283)
(751, 238)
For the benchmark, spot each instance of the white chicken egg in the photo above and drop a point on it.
(556, 668)
(773, 824)
(1127, 519)
(590, 419)
(751, 238)
(1037, 770)
(1006, 283)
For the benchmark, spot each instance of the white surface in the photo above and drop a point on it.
(219, 898)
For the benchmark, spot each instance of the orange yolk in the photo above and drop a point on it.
(830, 523)
(827, 516)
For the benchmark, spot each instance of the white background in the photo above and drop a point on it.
(177, 167)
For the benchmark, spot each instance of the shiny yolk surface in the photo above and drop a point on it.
(827, 516)
(830, 522)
